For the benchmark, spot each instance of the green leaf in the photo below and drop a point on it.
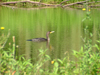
(48, 57)
(60, 61)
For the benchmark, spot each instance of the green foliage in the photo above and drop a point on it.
(87, 63)
(8, 62)
(11, 64)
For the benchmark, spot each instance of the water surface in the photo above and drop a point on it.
(67, 23)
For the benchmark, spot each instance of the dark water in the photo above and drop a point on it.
(67, 23)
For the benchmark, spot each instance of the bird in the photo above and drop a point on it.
(42, 39)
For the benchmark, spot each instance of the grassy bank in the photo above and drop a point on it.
(52, 3)
(55, 1)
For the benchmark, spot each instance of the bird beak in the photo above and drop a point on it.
(52, 32)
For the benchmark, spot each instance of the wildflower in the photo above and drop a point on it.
(89, 9)
(13, 38)
(13, 73)
(83, 9)
(17, 46)
(9, 43)
(52, 62)
(2, 28)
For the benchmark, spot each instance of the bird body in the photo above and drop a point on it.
(42, 39)
(37, 39)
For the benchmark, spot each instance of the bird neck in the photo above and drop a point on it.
(47, 36)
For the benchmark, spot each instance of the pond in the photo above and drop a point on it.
(67, 23)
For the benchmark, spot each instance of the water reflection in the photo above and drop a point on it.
(34, 47)
(40, 45)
